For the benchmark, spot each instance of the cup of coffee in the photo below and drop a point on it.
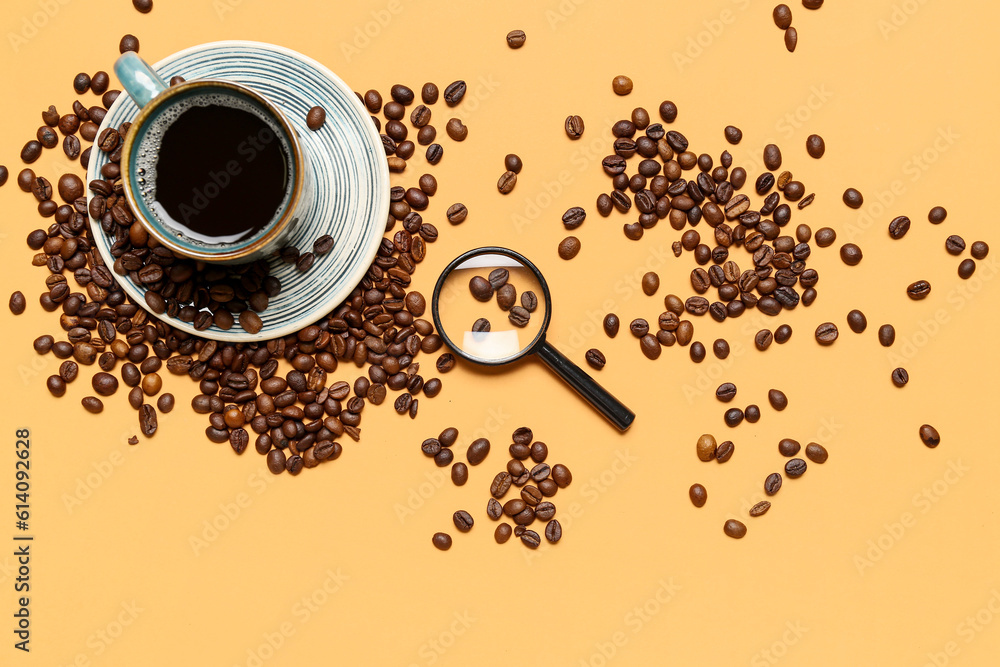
(211, 169)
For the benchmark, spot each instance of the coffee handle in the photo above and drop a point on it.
(138, 79)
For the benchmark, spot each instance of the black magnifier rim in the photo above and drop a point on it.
(491, 250)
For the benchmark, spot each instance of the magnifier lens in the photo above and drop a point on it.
(492, 307)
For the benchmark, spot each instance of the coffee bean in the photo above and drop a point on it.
(857, 321)
(930, 436)
(966, 268)
(574, 217)
(459, 474)
(441, 541)
(147, 420)
(530, 539)
(165, 403)
(937, 215)
(788, 447)
(772, 157)
(698, 495)
(720, 348)
(791, 39)
(706, 447)
(463, 521)
(17, 303)
(574, 127)
(899, 226)
(733, 417)
(250, 321)
(104, 384)
(569, 247)
(825, 237)
(772, 484)
(595, 359)
(481, 325)
(507, 182)
(650, 283)
(782, 16)
(501, 484)
(31, 151)
(752, 413)
(777, 399)
(621, 84)
(456, 129)
(850, 254)
(762, 340)
(561, 475)
(826, 333)
(734, 529)
(918, 290)
(853, 198)
(979, 250)
(795, 468)
(480, 288)
(726, 392)
(733, 134)
(725, 451)
(954, 244)
(454, 92)
(478, 450)
(900, 377)
(142, 6)
(816, 453)
(315, 118)
(128, 43)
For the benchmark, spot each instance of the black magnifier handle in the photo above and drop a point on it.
(609, 406)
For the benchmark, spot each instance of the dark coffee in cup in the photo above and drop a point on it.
(214, 167)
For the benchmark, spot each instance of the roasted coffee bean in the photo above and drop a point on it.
(501, 484)
(850, 253)
(782, 16)
(826, 333)
(553, 531)
(937, 215)
(853, 198)
(816, 453)
(518, 316)
(706, 447)
(17, 303)
(611, 325)
(569, 247)
(561, 475)
(795, 468)
(621, 85)
(128, 43)
(720, 348)
(459, 474)
(791, 39)
(650, 283)
(886, 335)
(899, 226)
(480, 288)
(481, 325)
(900, 377)
(165, 403)
(530, 539)
(726, 392)
(733, 134)
(825, 237)
(918, 290)
(574, 127)
(454, 92)
(788, 447)
(772, 484)
(815, 146)
(733, 528)
(457, 213)
(104, 384)
(954, 244)
(930, 436)
(966, 268)
(441, 541)
(979, 250)
(725, 451)
(733, 417)
(595, 359)
(507, 182)
(315, 118)
(772, 157)
(762, 340)
(698, 495)
(752, 413)
(760, 509)
(697, 352)
(463, 521)
(777, 399)
(147, 420)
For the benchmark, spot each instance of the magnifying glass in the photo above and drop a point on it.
(492, 307)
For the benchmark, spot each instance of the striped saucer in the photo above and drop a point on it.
(350, 177)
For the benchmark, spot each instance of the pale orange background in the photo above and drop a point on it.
(851, 566)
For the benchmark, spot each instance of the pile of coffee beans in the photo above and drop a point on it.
(537, 481)
(298, 414)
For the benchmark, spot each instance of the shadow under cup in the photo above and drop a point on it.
(204, 147)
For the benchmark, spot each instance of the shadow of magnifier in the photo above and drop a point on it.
(492, 307)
